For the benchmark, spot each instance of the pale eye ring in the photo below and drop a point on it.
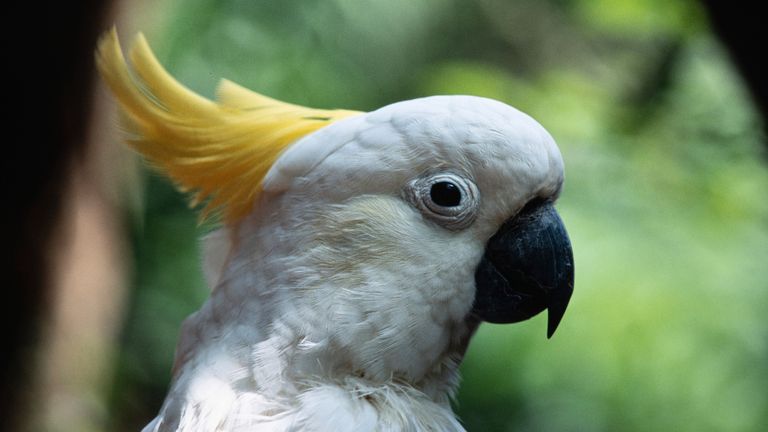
(448, 199)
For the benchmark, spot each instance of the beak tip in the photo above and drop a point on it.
(554, 316)
(551, 329)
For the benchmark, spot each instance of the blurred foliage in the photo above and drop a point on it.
(666, 172)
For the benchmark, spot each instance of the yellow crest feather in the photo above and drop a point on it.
(220, 150)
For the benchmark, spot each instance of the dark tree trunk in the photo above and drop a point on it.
(49, 56)
(742, 29)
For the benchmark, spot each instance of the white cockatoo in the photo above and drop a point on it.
(358, 251)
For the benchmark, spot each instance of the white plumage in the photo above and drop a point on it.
(345, 298)
(340, 307)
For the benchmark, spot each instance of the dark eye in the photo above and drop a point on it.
(449, 199)
(445, 194)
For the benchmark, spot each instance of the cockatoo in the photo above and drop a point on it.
(358, 251)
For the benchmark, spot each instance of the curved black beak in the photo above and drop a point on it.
(527, 267)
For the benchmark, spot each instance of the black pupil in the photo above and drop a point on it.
(445, 194)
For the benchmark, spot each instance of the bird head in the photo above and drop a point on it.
(372, 243)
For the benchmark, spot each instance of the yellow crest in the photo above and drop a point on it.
(219, 150)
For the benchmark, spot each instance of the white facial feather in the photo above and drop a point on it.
(338, 284)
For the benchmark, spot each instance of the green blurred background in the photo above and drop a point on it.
(664, 197)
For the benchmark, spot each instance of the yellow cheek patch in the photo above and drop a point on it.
(219, 150)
